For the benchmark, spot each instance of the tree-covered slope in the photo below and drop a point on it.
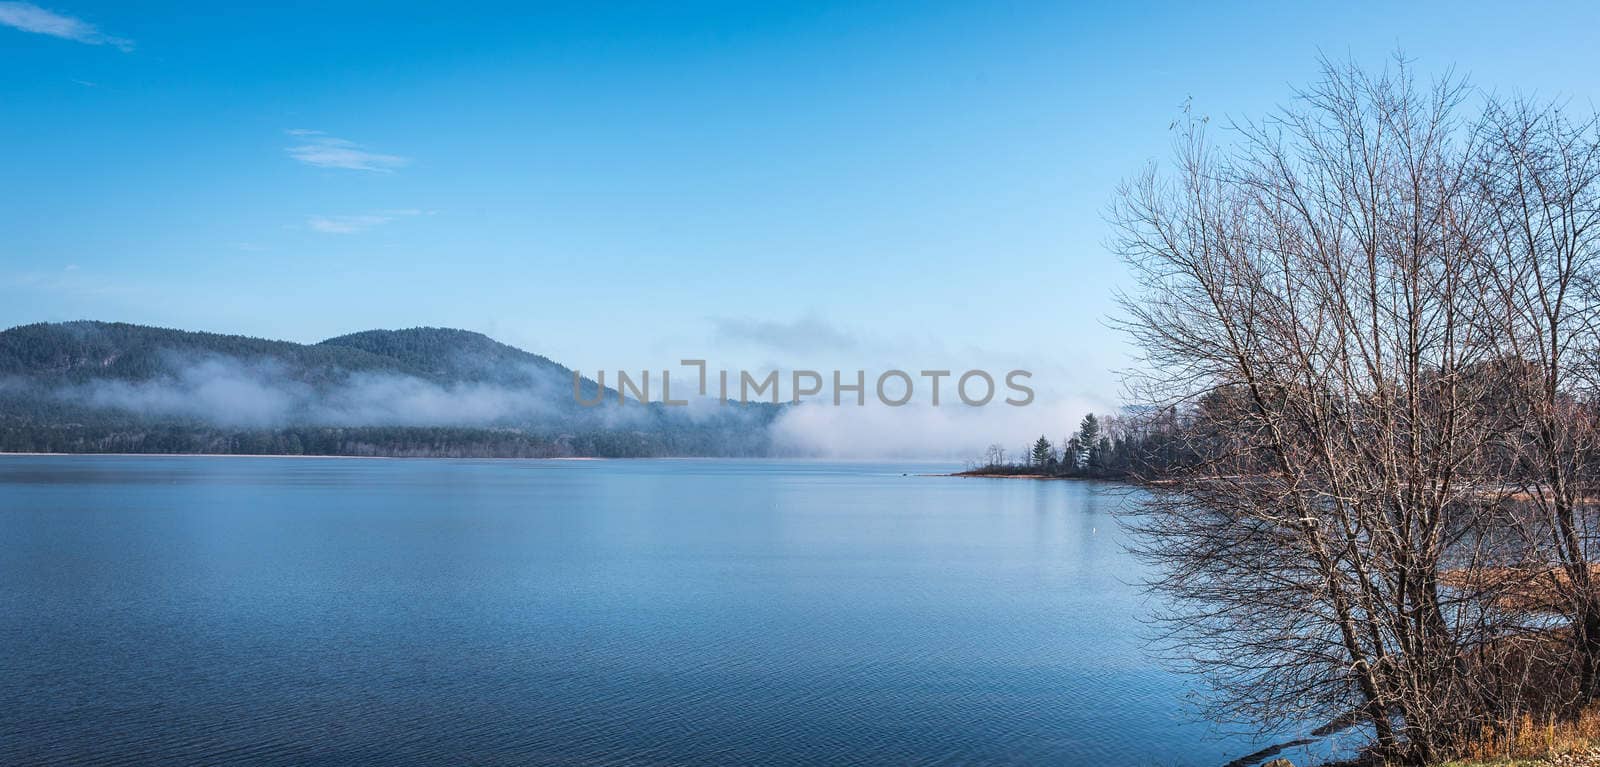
(115, 387)
(75, 351)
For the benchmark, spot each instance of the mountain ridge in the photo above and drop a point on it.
(93, 386)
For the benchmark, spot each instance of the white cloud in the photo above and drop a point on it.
(31, 18)
(324, 151)
(356, 224)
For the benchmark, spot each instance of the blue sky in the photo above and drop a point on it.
(918, 184)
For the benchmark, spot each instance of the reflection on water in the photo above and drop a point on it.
(335, 611)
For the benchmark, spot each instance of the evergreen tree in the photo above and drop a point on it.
(1100, 455)
(1088, 437)
(1072, 458)
(1089, 431)
(1041, 451)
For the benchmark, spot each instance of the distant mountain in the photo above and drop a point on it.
(449, 354)
(116, 387)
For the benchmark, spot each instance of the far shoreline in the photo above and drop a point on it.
(787, 458)
(1002, 475)
(981, 474)
(6, 454)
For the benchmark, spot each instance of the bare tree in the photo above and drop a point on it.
(1540, 180)
(1312, 301)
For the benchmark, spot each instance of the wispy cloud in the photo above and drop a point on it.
(324, 151)
(31, 18)
(356, 224)
(807, 334)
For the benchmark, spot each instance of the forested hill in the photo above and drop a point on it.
(451, 354)
(71, 351)
(115, 387)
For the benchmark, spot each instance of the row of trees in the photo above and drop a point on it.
(1089, 450)
(393, 441)
(1102, 447)
(1372, 371)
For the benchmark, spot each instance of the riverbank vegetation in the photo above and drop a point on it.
(1371, 365)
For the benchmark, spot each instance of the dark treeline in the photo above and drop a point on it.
(373, 441)
(1124, 447)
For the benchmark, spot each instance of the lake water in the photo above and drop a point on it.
(173, 611)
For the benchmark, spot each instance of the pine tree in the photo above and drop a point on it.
(1089, 430)
(1100, 455)
(1088, 438)
(1041, 451)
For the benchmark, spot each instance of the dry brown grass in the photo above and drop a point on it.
(1529, 738)
(1532, 590)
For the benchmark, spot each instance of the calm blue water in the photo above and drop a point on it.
(340, 612)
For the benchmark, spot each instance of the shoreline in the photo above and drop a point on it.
(1041, 477)
(5, 454)
(998, 475)
(794, 459)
